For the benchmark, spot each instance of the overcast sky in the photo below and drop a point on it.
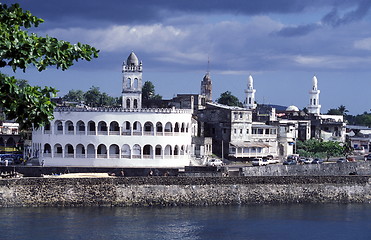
(281, 43)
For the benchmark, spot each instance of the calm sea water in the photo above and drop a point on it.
(325, 221)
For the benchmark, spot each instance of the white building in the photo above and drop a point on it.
(117, 137)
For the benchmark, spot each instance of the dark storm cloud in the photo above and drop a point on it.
(82, 13)
(334, 19)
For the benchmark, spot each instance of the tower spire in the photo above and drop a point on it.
(250, 94)
(206, 84)
(314, 107)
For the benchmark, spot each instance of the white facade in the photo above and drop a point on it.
(314, 107)
(115, 138)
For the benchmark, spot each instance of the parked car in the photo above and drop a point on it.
(259, 162)
(317, 161)
(273, 161)
(290, 162)
(368, 157)
(214, 162)
(341, 160)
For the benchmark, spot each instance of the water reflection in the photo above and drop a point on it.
(304, 221)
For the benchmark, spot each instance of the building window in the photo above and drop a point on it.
(247, 131)
(135, 103)
(235, 131)
(240, 131)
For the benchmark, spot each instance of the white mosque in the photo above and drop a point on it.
(117, 137)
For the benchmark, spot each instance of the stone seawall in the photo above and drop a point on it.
(180, 191)
(326, 169)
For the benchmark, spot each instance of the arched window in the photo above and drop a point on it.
(159, 129)
(136, 151)
(68, 151)
(91, 151)
(176, 150)
(158, 151)
(58, 127)
(102, 128)
(137, 128)
(58, 151)
(182, 129)
(148, 128)
(125, 151)
(47, 150)
(128, 103)
(114, 128)
(126, 129)
(80, 127)
(114, 151)
(135, 103)
(80, 151)
(128, 83)
(69, 127)
(168, 151)
(147, 151)
(168, 128)
(136, 83)
(102, 151)
(176, 128)
(91, 128)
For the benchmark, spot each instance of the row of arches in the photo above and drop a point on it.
(114, 128)
(115, 151)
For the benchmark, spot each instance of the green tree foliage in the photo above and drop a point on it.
(94, 98)
(338, 111)
(228, 99)
(27, 105)
(316, 148)
(360, 119)
(74, 96)
(148, 92)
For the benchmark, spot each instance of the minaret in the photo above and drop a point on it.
(250, 94)
(314, 107)
(132, 83)
(206, 85)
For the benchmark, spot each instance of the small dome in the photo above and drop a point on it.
(292, 108)
(250, 82)
(132, 60)
(314, 81)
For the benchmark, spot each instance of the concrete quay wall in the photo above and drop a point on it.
(182, 191)
(326, 169)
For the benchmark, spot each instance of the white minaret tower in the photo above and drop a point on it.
(250, 94)
(314, 107)
(132, 83)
